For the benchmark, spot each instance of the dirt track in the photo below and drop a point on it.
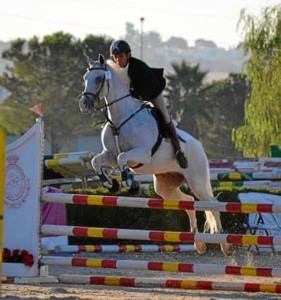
(71, 292)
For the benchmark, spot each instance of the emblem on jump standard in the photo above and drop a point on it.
(17, 184)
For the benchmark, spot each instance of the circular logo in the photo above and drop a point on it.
(17, 185)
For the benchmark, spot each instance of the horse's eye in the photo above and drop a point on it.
(98, 80)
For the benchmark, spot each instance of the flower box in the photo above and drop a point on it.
(14, 269)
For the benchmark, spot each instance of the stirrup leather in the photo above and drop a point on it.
(181, 159)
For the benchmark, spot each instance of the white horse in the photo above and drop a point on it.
(131, 142)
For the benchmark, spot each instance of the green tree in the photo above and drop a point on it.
(48, 72)
(208, 111)
(262, 124)
(177, 42)
(226, 99)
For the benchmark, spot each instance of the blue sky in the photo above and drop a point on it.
(214, 20)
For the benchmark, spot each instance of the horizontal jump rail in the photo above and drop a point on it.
(122, 248)
(155, 203)
(170, 283)
(161, 266)
(274, 174)
(167, 236)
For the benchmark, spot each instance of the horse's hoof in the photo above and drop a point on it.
(134, 188)
(115, 187)
(227, 249)
(201, 248)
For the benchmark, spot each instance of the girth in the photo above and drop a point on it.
(154, 148)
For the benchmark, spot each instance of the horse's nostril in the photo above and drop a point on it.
(85, 102)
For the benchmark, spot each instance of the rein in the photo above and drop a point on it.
(116, 130)
(113, 102)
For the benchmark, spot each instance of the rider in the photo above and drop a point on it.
(146, 84)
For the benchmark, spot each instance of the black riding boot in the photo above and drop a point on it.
(181, 159)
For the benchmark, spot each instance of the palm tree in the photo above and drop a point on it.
(184, 98)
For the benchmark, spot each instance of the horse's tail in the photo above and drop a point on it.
(213, 221)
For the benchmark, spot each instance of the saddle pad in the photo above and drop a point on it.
(184, 136)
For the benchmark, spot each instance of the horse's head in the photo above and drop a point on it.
(95, 84)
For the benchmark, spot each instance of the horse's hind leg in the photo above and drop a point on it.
(168, 187)
(198, 179)
(213, 221)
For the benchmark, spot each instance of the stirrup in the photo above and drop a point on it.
(181, 159)
(127, 177)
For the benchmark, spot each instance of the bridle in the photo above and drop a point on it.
(96, 96)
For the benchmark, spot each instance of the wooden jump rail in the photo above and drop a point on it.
(120, 248)
(161, 266)
(164, 236)
(148, 282)
(155, 203)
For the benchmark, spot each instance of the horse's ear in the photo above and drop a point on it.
(101, 59)
(88, 58)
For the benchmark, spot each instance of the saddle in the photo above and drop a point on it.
(162, 126)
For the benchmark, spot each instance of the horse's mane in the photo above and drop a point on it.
(120, 72)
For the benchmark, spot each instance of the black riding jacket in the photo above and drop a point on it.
(146, 83)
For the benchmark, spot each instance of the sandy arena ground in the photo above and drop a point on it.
(71, 292)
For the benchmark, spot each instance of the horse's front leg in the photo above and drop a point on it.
(103, 163)
(135, 155)
(132, 158)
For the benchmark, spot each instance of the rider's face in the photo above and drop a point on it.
(121, 59)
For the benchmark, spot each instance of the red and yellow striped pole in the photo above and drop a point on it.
(171, 283)
(154, 203)
(163, 266)
(2, 192)
(124, 248)
(163, 236)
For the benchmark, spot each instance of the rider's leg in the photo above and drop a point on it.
(160, 104)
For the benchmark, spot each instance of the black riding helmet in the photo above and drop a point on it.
(119, 46)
